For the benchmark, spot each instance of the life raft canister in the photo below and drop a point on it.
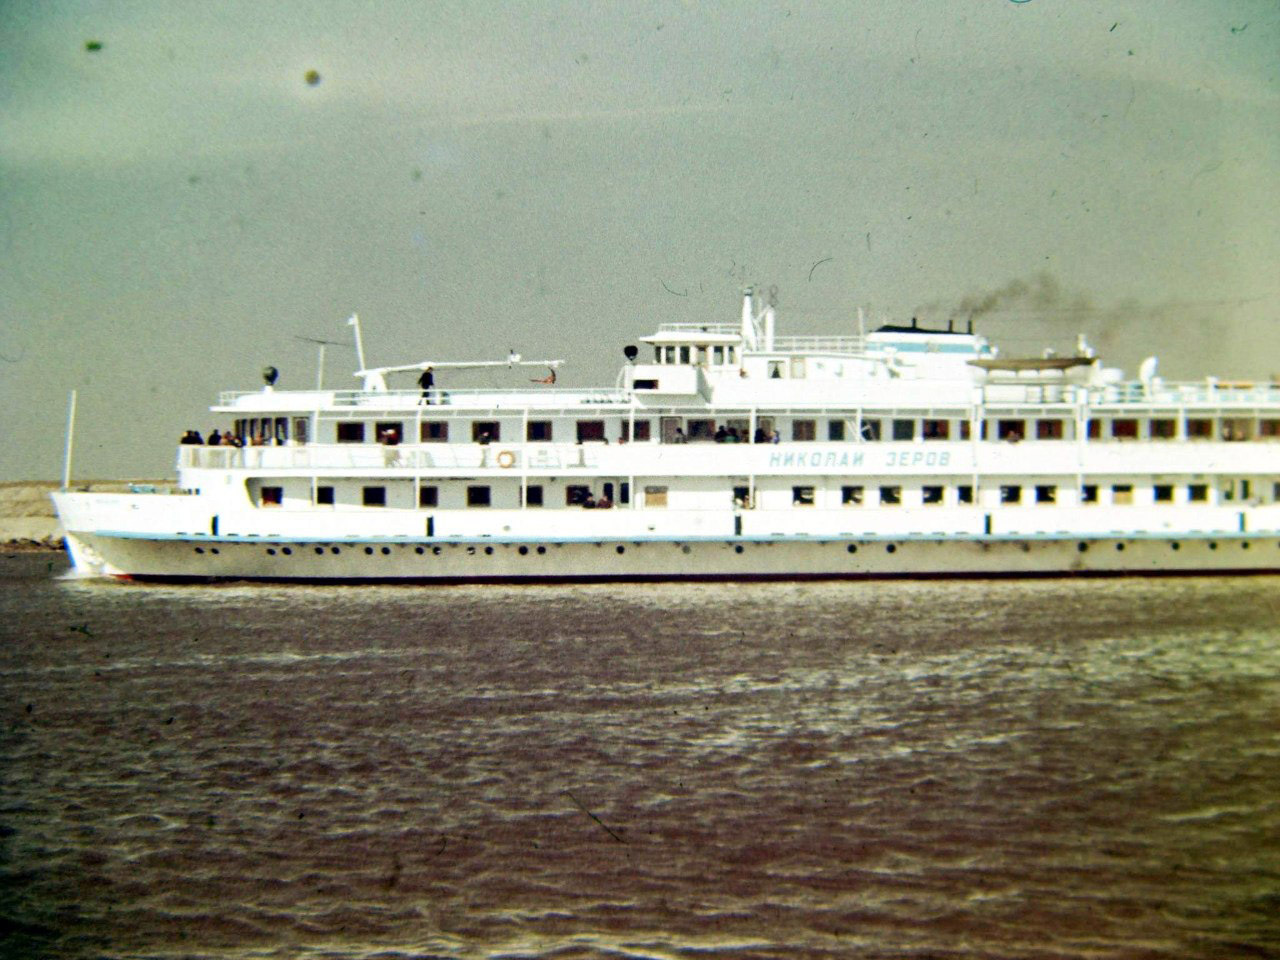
(506, 459)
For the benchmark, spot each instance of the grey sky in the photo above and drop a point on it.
(559, 177)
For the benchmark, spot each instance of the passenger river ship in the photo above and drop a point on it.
(723, 451)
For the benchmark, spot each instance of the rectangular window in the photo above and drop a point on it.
(890, 496)
(644, 383)
(701, 429)
(835, 430)
(655, 496)
(1089, 493)
(870, 430)
(1199, 428)
(1162, 493)
(851, 496)
(324, 496)
(1164, 429)
(804, 430)
(374, 496)
(742, 498)
(684, 354)
(300, 429)
(964, 493)
(428, 496)
(576, 494)
(936, 429)
(351, 433)
(717, 356)
(1046, 493)
(965, 430)
(1011, 493)
(1269, 429)
(389, 431)
(802, 496)
(539, 431)
(642, 431)
(1122, 494)
(1237, 428)
(1125, 428)
(1049, 429)
(477, 496)
(590, 431)
(931, 495)
(485, 431)
(1011, 430)
(904, 429)
(1093, 429)
(434, 431)
(533, 495)
(272, 496)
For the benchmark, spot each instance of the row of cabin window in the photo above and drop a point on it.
(576, 495)
(699, 353)
(806, 430)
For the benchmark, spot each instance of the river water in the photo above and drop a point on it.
(1066, 769)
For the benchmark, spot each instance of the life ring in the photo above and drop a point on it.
(506, 459)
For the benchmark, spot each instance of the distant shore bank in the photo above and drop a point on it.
(27, 517)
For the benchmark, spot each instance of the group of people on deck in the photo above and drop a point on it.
(219, 439)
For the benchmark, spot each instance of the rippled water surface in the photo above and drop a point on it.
(973, 769)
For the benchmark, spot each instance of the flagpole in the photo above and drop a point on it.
(71, 428)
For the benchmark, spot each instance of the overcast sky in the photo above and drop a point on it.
(177, 206)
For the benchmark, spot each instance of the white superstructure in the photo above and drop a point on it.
(724, 450)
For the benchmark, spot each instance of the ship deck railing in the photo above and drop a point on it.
(1187, 393)
(399, 399)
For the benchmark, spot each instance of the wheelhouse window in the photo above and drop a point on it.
(590, 430)
(478, 496)
(434, 431)
(485, 431)
(272, 496)
(1199, 428)
(428, 496)
(804, 430)
(1011, 430)
(802, 496)
(1049, 429)
(351, 433)
(1124, 428)
(539, 431)
(890, 496)
(374, 496)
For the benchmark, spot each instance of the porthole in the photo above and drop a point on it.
(271, 552)
(542, 550)
(891, 548)
(1212, 545)
(737, 548)
(1082, 546)
(419, 551)
(523, 551)
(621, 549)
(471, 551)
(1120, 546)
(213, 550)
(488, 551)
(319, 549)
(287, 551)
(368, 551)
(1244, 546)
(334, 550)
(199, 549)
(851, 548)
(686, 549)
(1175, 545)
(386, 551)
